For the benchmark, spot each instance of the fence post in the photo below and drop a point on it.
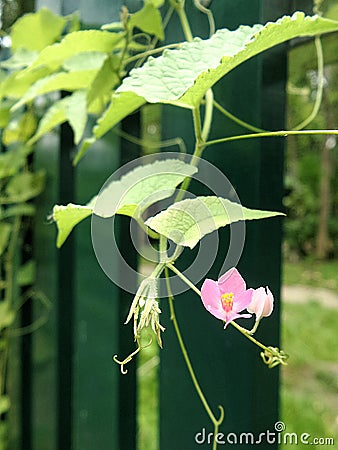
(78, 397)
(228, 366)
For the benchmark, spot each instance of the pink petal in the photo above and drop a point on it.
(268, 307)
(242, 300)
(219, 313)
(262, 303)
(211, 298)
(257, 302)
(231, 281)
(233, 316)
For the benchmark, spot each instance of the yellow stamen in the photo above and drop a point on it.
(227, 301)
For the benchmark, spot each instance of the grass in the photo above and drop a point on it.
(309, 391)
(312, 273)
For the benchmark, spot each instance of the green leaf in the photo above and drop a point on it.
(5, 114)
(134, 192)
(186, 222)
(55, 115)
(84, 61)
(11, 161)
(182, 76)
(19, 129)
(149, 20)
(25, 186)
(120, 106)
(55, 55)
(56, 82)
(85, 146)
(76, 113)
(156, 3)
(3, 433)
(26, 273)
(66, 217)
(20, 59)
(142, 187)
(5, 231)
(102, 85)
(74, 22)
(4, 404)
(68, 108)
(7, 315)
(37, 30)
(15, 85)
(24, 209)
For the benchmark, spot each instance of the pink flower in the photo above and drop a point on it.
(262, 303)
(226, 297)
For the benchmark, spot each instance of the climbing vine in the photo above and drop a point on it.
(109, 74)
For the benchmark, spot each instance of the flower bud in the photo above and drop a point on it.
(261, 303)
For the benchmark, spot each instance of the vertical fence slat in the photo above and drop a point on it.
(44, 354)
(96, 323)
(228, 366)
(65, 299)
(127, 383)
(93, 405)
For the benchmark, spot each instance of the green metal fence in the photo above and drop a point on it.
(75, 397)
(231, 369)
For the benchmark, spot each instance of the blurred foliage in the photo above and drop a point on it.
(86, 78)
(307, 155)
(12, 9)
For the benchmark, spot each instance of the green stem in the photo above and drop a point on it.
(178, 250)
(124, 53)
(248, 335)
(196, 384)
(209, 109)
(179, 7)
(254, 328)
(9, 264)
(40, 321)
(9, 292)
(209, 14)
(201, 134)
(281, 133)
(150, 52)
(163, 248)
(184, 278)
(235, 119)
(319, 94)
(196, 115)
(4, 360)
(155, 40)
(199, 147)
(158, 270)
(151, 233)
(167, 143)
